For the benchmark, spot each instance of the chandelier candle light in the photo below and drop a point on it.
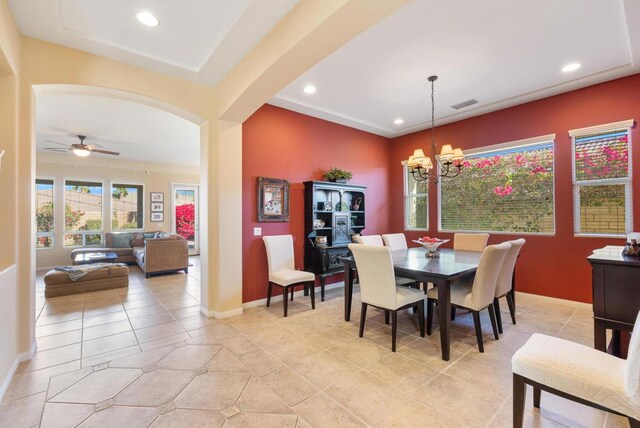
(420, 166)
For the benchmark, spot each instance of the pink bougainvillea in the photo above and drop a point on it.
(186, 221)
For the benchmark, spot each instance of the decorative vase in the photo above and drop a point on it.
(431, 247)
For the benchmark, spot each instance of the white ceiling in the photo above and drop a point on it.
(139, 132)
(199, 40)
(501, 53)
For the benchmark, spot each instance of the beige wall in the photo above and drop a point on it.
(154, 178)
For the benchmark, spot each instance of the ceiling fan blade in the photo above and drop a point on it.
(94, 146)
(105, 152)
(55, 142)
(55, 149)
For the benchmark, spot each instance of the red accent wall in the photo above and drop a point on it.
(279, 143)
(549, 265)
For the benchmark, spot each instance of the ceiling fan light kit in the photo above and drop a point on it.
(82, 150)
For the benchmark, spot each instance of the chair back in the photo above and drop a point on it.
(395, 241)
(375, 270)
(374, 240)
(484, 283)
(279, 252)
(632, 365)
(470, 241)
(505, 278)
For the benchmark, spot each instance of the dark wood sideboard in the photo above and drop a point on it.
(616, 297)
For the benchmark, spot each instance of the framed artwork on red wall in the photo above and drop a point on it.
(273, 199)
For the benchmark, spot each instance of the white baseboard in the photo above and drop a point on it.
(219, 315)
(25, 356)
(278, 298)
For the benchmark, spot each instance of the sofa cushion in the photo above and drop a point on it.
(137, 239)
(138, 252)
(149, 235)
(110, 237)
(122, 240)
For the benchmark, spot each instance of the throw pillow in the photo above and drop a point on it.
(149, 235)
(137, 240)
(122, 240)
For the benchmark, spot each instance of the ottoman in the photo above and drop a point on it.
(58, 283)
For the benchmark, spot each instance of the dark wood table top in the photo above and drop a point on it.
(612, 254)
(450, 264)
(95, 257)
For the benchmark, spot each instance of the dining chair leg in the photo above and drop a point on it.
(537, 392)
(494, 326)
(512, 306)
(363, 317)
(292, 290)
(394, 329)
(496, 305)
(421, 317)
(269, 290)
(312, 291)
(519, 398)
(430, 308)
(386, 317)
(478, 326)
(285, 300)
(322, 288)
(453, 314)
(633, 423)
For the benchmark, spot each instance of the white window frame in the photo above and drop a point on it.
(622, 126)
(51, 234)
(407, 197)
(517, 144)
(84, 233)
(126, 183)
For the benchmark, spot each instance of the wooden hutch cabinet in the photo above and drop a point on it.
(334, 211)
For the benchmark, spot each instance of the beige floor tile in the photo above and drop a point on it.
(182, 418)
(57, 328)
(197, 322)
(58, 340)
(53, 357)
(216, 331)
(289, 385)
(98, 331)
(59, 383)
(154, 388)
(213, 391)
(63, 415)
(428, 353)
(361, 351)
(401, 372)
(98, 386)
(239, 345)
(24, 384)
(225, 361)
(164, 341)
(109, 356)
(150, 320)
(147, 334)
(498, 379)
(142, 359)
(322, 411)
(119, 416)
(324, 368)
(262, 420)
(147, 310)
(92, 321)
(108, 344)
(182, 313)
(259, 398)
(189, 357)
(260, 362)
(25, 412)
(53, 319)
(293, 349)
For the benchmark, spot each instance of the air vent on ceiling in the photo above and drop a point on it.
(465, 104)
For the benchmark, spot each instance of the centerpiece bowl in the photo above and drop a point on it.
(431, 245)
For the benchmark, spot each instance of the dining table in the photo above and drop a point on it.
(450, 266)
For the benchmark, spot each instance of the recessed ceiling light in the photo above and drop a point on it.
(309, 89)
(398, 121)
(571, 67)
(147, 19)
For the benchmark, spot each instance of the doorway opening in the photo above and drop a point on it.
(185, 214)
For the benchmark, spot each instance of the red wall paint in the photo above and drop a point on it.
(278, 143)
(552, 266)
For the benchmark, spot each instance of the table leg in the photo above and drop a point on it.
(348, 291)
(444, 314)
(599, 335)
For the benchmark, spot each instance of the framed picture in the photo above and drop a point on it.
(157, 207)
(273, 199)
(157, 217)
(157, 197)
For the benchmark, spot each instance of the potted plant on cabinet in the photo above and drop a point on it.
(337, 175)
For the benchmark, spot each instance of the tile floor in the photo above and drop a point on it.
(144, 356)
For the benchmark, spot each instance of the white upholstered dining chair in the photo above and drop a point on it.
(282, 270)
(504, 286)
(470, 241)
(376, 241)
(477, 295)
(395, 241)
(378, 287)
(578, 373)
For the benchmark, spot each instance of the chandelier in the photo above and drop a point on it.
(449, 161)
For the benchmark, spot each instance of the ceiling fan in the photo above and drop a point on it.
(82, 149)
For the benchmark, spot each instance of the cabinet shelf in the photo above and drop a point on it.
(322, 228)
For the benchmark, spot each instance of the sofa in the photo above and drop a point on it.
(153, 252)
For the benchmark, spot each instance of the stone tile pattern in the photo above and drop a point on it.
(144, 356)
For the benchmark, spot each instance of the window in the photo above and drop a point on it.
(503, 188)
(416, 208)
(602, 180)
(44, 213)
(82, 213)
(126, 206)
